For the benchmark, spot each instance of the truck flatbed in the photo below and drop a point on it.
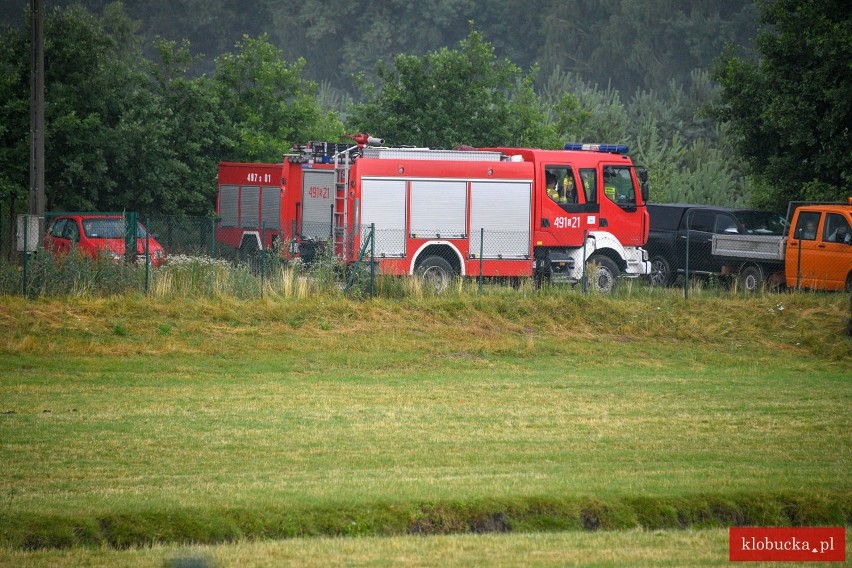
(749, 247)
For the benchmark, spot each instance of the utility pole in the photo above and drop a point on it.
(37, 113)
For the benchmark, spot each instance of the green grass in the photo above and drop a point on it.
(126, 421)
(605, 549)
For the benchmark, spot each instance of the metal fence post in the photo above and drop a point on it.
(799, 264)
(212, 236)
(131, 233)
(481, 249)
(262, 258)
(584, 278)
(372, 259)
(26, 255)
(147, 254)
(686, 260)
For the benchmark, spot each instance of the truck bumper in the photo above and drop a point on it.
(637, 262)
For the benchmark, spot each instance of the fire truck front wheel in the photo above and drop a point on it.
(602, 274)
(435, 272)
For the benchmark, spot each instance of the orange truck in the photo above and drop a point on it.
(816, 253)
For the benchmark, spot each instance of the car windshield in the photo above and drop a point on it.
(108, 228)
(762, 223)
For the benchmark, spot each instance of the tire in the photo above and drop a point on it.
(250, 254)
(752, 278)
(661, 272)
(436, 273)
(602, 274)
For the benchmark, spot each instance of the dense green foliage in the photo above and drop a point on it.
(627, 45)
(124, 132)
(132, 124)
(791, 111)
(452, 97)
(269, 102)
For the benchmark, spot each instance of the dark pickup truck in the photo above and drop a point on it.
(671, 224)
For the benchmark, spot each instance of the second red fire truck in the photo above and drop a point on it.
(495, 212)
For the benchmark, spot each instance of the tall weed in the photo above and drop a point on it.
(71, 274)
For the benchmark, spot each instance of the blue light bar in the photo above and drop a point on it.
(609, 148)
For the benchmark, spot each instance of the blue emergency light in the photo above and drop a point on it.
(610, 148)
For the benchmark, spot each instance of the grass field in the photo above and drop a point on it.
(129, 422)
(653, 549)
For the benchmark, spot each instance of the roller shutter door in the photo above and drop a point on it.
(383, 203)
(317, 202)
(438, 209)
(271, 206)
(228, 206)
(503, 210)
(249, 207)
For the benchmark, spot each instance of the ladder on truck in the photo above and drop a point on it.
(341, 234)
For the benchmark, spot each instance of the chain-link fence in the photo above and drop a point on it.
(700, 247)
(718, 261)
(111, 253)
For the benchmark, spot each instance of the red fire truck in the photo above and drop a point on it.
(496, 212)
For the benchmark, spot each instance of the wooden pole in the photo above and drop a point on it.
(37, 112)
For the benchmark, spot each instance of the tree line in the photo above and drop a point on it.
(623, 44)
(132, 125)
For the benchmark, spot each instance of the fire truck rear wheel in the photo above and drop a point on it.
(436, 272)
(602, 274)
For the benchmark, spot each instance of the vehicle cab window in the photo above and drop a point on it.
(618, 186)
(725, 225)
(561, 185)
(700, 220)
(589, 178)
(762, 223)
(806, 225)
(107, 228)
(58, 228)
(71, 231)
(836, 229)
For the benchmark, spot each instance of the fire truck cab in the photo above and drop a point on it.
(495, 212)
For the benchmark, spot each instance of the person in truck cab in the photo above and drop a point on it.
(569, 191)
(809, 233)
(837, 229)
(842, 235)
(551, 186)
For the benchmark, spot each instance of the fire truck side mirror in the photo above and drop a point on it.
(643, 182)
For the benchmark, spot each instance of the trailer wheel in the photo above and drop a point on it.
(661, 272)
(436, 273)
(602, 273)
(752, 278)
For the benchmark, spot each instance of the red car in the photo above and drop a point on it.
(99, 234)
